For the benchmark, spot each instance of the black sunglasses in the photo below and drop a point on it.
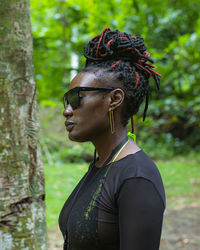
(73, 97)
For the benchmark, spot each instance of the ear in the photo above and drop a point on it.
(116, 98)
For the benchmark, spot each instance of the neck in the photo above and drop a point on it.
(105, 144)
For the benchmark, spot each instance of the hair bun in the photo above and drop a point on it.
(116, 45)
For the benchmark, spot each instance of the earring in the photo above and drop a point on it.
(112, 122)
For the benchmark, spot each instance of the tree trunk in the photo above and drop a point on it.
(22, 207)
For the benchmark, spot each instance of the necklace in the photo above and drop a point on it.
(120, 151)
(117, 150)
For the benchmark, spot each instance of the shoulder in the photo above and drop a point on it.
(137, 165)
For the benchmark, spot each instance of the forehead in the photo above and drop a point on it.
(84, 79)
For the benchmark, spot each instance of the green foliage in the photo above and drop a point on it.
(171, 30)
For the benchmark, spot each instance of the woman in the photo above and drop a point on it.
(119, 203)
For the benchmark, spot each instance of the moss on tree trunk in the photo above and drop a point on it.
(22, 207)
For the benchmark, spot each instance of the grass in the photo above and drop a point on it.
(60, 181)
(181, 177)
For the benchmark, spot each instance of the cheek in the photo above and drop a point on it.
(93, 110)
(93, 120)
(90, 123)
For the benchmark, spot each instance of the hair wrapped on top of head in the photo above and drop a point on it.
(126, 55)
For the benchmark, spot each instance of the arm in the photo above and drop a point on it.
(140, 215)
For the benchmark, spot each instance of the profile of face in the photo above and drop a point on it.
(91, 118)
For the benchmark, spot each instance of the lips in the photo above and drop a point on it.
(69, 125)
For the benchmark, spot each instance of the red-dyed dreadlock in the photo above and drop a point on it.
(126, 55)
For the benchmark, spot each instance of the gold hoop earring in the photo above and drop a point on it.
(112, 122)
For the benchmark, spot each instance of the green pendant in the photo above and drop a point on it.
(132, 136)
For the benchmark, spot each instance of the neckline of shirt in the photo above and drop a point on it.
(104, 166)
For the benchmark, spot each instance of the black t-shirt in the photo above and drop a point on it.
(116, 207)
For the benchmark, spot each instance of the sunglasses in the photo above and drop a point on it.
(73, 97)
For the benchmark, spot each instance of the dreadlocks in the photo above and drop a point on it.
(127, 58)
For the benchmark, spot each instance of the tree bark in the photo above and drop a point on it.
(22, 207)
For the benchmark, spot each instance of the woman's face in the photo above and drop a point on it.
(91, 118)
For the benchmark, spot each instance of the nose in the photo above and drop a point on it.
(68, 111)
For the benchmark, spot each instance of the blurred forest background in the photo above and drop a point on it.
(171, 132)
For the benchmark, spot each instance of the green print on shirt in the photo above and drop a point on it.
(94, 197)
(97, 192)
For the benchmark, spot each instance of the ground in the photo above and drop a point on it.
(181, 227)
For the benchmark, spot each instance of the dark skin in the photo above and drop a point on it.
(91, 119)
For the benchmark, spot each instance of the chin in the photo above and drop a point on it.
(77, 137)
